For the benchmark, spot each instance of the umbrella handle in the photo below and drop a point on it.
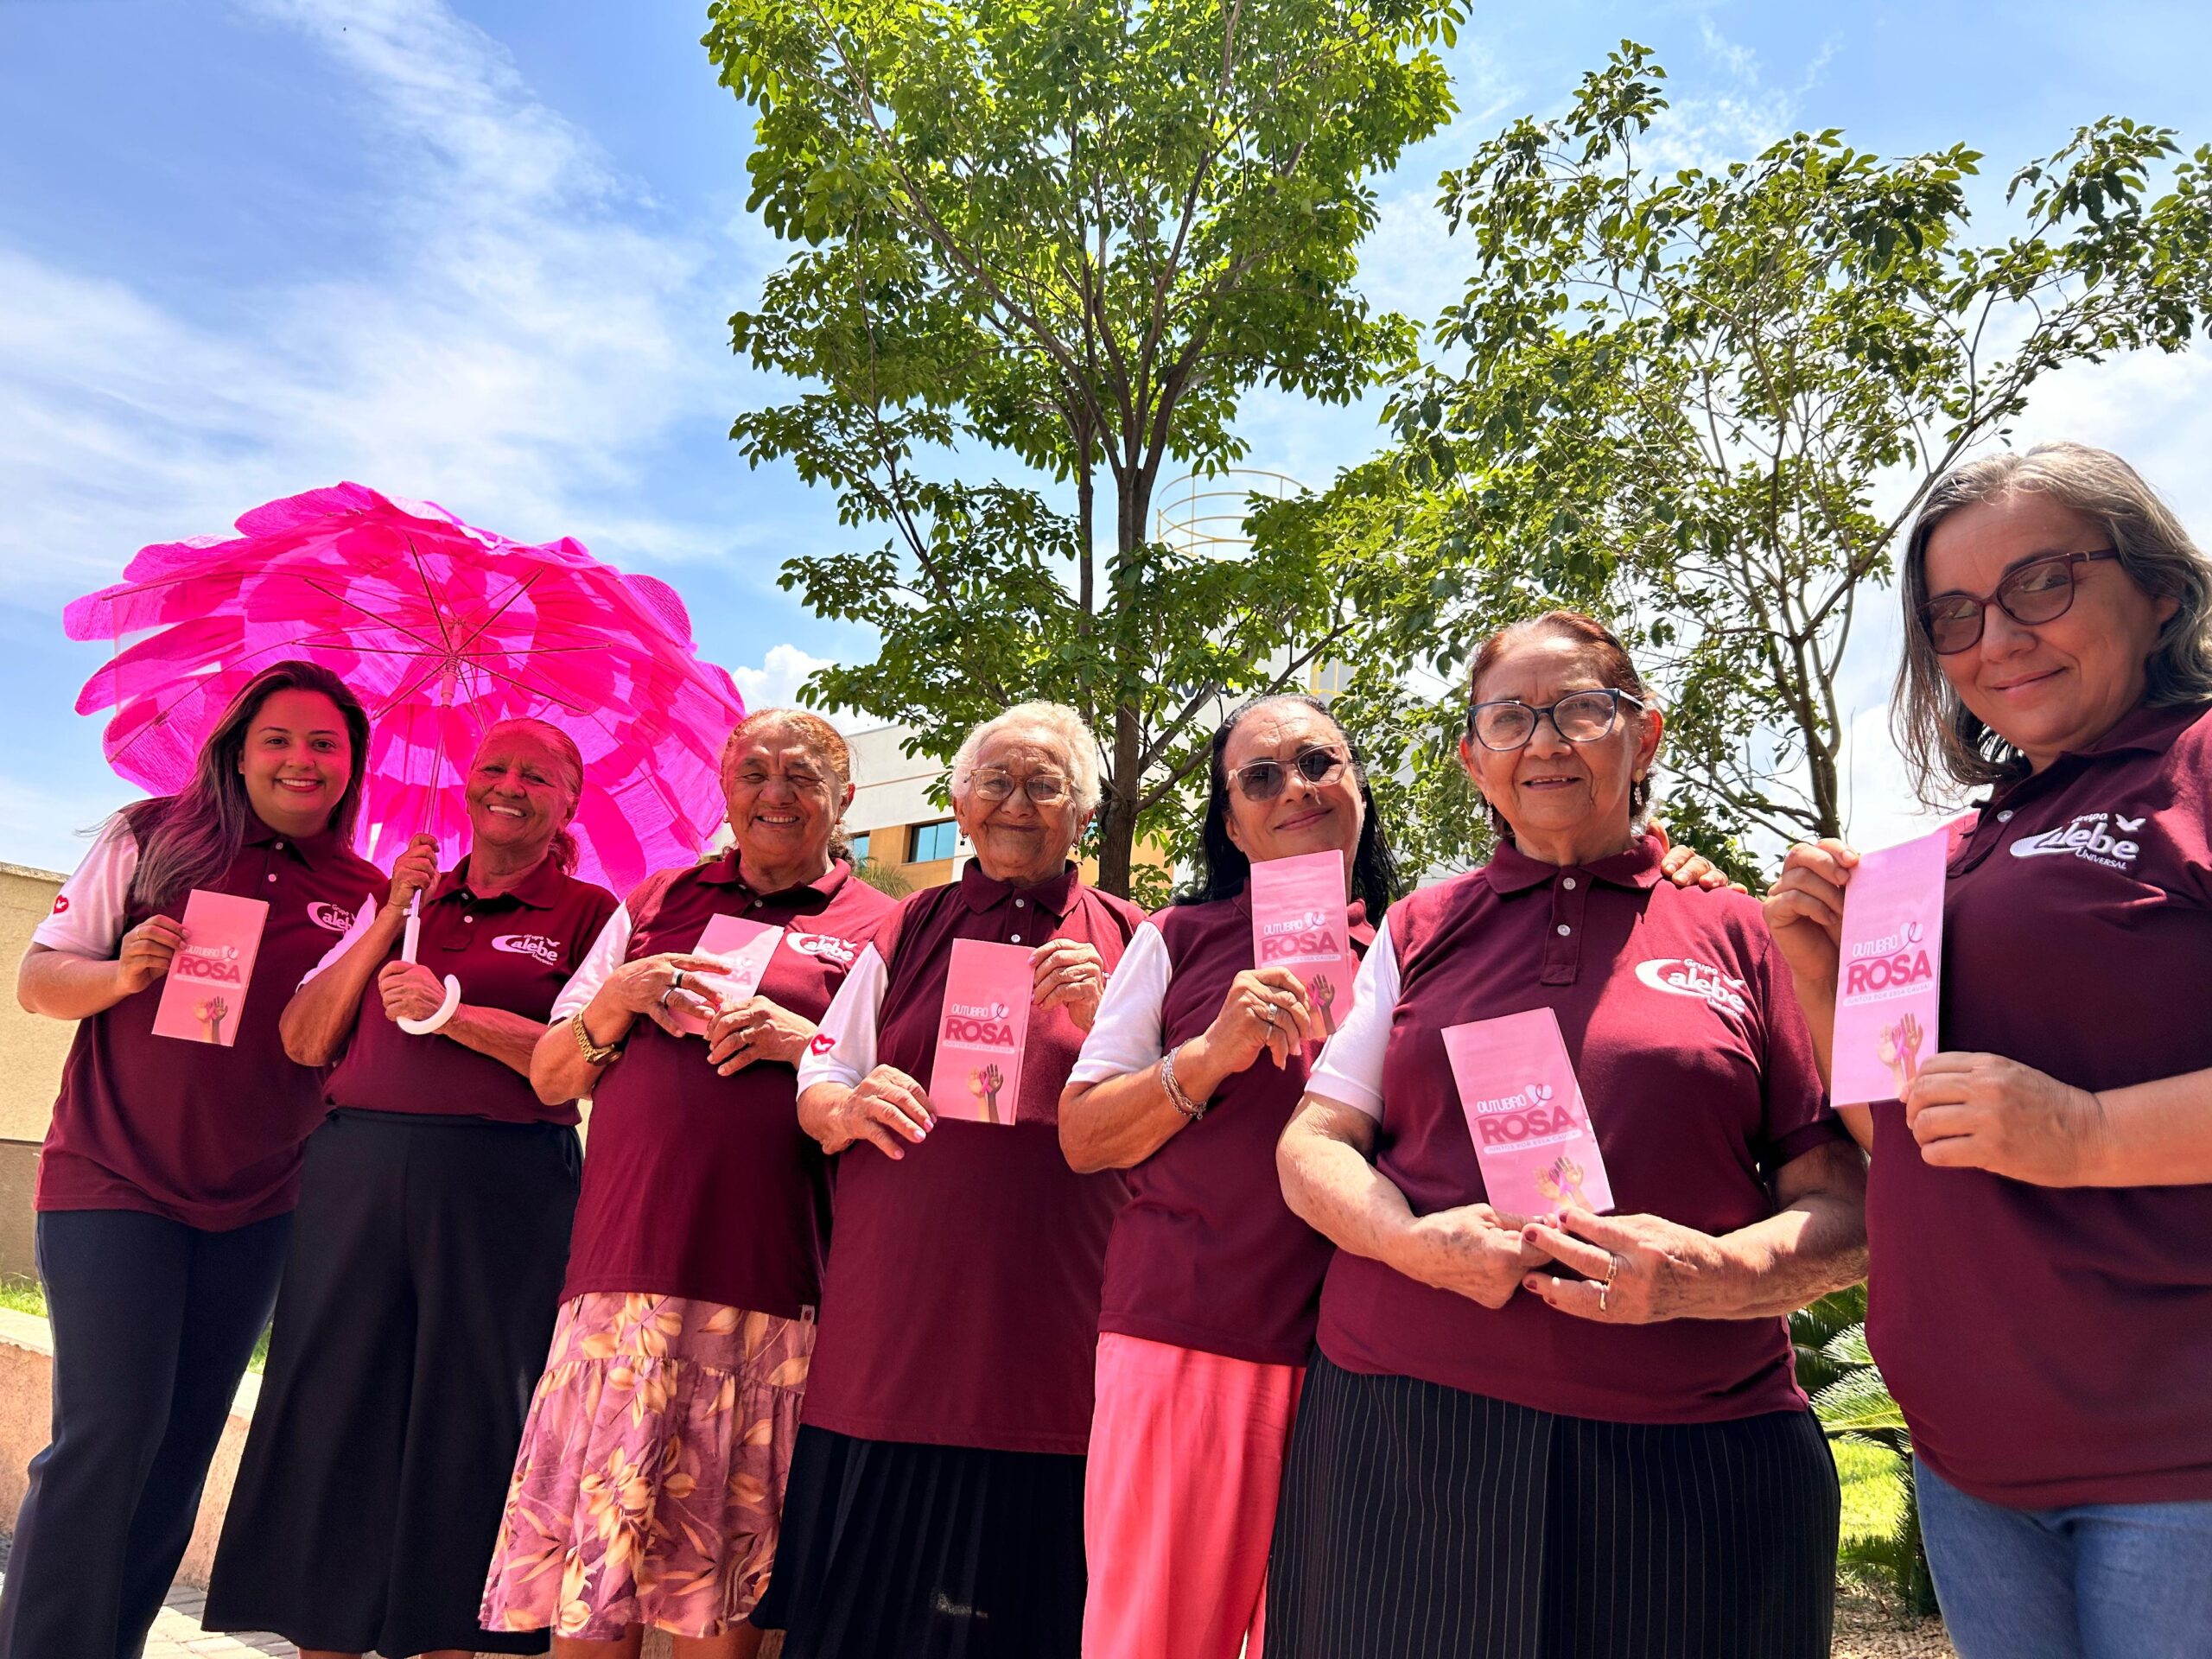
(414, 936)
(423, 1028)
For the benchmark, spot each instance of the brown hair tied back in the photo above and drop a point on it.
(1604, 648)
(824, 745)
(563, 851)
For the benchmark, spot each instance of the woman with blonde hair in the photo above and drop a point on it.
(648, 1489)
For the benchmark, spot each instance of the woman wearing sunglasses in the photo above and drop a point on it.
(2040, 1204)
(1548, 1436)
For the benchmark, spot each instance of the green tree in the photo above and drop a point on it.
(1705, 403)
(1072, 237)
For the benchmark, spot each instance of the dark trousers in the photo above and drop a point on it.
(153, 1323)
(417, 1306)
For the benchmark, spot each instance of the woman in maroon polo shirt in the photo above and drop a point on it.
(651, 1470)
(428, 1249)
(936, 1505)
(2040, 1208)
(1546, 1437)
(166, 1187)
(1211, 1284)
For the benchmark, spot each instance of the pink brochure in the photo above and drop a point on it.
(205, 997)
(977, 1073)
(1298, 922)
(744, 947)
(1891, 965)
(1525, 1111)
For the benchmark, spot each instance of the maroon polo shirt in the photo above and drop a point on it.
(2053, 1345)
(960, 1303)
(1206, 1255)
(1697, 1099)
(512, 951)
(697, 1184)
(204, 1135)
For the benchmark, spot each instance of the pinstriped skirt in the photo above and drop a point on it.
(1421, 1520)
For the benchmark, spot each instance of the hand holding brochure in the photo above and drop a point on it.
(1889, 969)
(1298, 922)
(1525, 1111)
(981, 1032)
(205, 996)
(744, 949)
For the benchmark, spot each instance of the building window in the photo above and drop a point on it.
(859, 848)
(934, 841)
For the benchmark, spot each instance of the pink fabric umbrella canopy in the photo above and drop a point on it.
(443, 630)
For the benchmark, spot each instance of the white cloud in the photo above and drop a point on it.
(519, 334)
(776, 683)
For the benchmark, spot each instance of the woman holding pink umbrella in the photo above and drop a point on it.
(432, 1232)
(168, 1180)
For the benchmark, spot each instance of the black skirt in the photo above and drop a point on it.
(1418, 1522)
(890, 1550)
(412, 1324)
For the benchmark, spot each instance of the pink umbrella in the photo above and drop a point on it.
(443, 630)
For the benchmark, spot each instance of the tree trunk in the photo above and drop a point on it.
(1117, 825)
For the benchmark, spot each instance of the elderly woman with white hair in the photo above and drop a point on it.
(936, 1497)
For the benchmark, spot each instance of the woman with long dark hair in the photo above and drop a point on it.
(1196, 1062)
(167, 1183)
(431, 1239)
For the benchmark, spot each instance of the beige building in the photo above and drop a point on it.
(32, 1050)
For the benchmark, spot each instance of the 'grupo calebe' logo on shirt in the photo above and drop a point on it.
(61, 903)
(530, 944)
(823, 1043)
(216, 963)
(328, 917)
(825, 945)
(979, 1025)
(2106, 838)
(1687, 977)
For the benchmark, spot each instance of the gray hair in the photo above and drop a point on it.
(1943, 742)
(1060, 725)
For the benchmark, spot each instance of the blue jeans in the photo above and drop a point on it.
(2090, 1581)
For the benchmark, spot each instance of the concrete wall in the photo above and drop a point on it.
(32, 1051)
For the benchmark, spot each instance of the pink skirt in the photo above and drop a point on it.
(650, 1480)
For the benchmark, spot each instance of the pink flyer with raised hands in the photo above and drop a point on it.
(205, 997)
(1298, 922)
(1889, 969)
(744, 949)
(1525, 1111)
(977, 1072)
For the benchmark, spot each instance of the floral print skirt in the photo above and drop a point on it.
(650, 1480)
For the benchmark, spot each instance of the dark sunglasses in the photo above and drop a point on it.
(1264, 779)
(2042, 590)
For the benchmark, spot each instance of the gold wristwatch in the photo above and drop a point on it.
(594, 1054)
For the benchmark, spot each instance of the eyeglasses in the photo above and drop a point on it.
(1579, 717)
(1043, 789)
(1263, 781)
(2042, 590)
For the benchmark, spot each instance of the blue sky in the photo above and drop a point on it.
(483, 253)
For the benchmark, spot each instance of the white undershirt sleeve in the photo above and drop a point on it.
(843, 1049)
(94, 902)
(1350, 1069)
(1128, 1033)
(609, 951)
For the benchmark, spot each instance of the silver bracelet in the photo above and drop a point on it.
(1193, 1109)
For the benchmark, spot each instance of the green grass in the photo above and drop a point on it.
(24, 1296)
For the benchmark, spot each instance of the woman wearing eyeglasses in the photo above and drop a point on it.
(1551, 1436)
(936, 1502)
(2040, 1205)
